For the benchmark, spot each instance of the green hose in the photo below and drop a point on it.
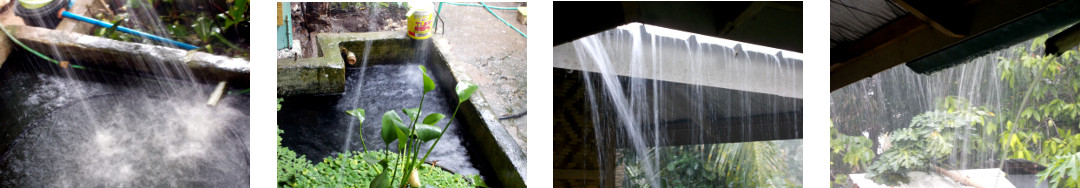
(42, 56)
(475, 5)
(488, 8)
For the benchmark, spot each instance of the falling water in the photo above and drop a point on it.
(890, 99)
(642, 83)
(315, 126)
(110, 128)
(353, 100)
(622, 106)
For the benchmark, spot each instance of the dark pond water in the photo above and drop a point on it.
(73, 128)
(317, 125)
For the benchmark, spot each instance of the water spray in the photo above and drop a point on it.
(40, 13)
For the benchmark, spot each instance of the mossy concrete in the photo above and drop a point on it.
(497, 145)
(103, 53)
(325, 74)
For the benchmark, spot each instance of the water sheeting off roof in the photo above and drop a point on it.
(756, 68)
(851, 19)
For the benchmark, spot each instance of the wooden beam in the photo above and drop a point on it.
(933, 24)
(1063, 41)
(777, 126)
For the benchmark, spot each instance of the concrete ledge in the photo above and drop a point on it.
(97, 52)
(326, 73)
(507, 158)
(723, 63)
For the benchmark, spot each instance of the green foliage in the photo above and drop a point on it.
(1044, 90)
(749, 164)
(427, 132)
(291, 168)
(926, 141)
(359, 169)
(1037, 116)
(353, 169)
(1064, 172)
(411, 136)
(237, 13)
(428, 83)
(373, 169)
(464, 91)
(205, 29)
(433, 118)
(390, 123)
(855, 150)
(359, 114)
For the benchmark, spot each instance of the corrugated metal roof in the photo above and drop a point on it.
(852, 19)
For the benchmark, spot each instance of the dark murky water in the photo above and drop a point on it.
(65, 128)
(317, 126)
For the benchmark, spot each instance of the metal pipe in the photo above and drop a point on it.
(127, 30)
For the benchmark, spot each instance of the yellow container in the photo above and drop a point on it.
(421, 18)
(34, 4)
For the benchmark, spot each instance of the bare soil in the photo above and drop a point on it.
(309, 19)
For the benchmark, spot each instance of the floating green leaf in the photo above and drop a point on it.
(478, 181)
(427, 132)
(381, 181)
(433, 118)
(371, 158)
(428, 83)
(465, 90)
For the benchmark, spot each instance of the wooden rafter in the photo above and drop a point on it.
(922, 16)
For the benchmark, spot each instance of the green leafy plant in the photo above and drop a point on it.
(355, 169)
(924, 143)
(749, 164)
(237, 13)
(370, 168)
(854, 150)
(207, 29)
(1038, 107)
(1064, 172)
(412, 135)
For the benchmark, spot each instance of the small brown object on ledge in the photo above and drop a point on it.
(523, 15)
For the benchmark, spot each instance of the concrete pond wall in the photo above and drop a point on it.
(100, 52)
(326, 74)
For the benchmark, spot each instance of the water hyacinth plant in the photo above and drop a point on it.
(410, 137)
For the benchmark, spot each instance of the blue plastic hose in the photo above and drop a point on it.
(476, 5)
(127, 30)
